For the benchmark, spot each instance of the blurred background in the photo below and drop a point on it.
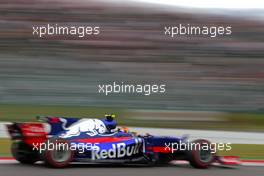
(211, 83)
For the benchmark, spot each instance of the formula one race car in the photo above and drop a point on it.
(59, 141)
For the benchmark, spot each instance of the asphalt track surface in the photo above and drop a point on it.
(16, 169)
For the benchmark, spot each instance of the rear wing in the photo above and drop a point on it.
(27, 132)
(14, 131)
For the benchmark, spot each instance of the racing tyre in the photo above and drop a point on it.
(60, 155)
(201, 157)
(24, 153)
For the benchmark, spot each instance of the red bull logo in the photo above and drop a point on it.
(119, 150)
(91, 127)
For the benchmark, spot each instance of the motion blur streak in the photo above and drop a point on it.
(201, 73)
(229, 4)
(212, 83)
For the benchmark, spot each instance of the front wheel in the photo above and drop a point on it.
(201, 156)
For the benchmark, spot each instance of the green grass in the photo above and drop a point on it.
(5, 147)
(29, 112)
(232, 121)
(256, 119)
(245, 151)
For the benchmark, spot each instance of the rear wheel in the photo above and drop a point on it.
(201, 157)
(24, 153)
(60, 156)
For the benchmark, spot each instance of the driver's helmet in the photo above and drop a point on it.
(110, 122)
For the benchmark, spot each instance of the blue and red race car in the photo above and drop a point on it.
(60, 141)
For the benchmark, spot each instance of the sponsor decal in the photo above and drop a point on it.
(118, 150)
(33, 129)
(91, 127)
